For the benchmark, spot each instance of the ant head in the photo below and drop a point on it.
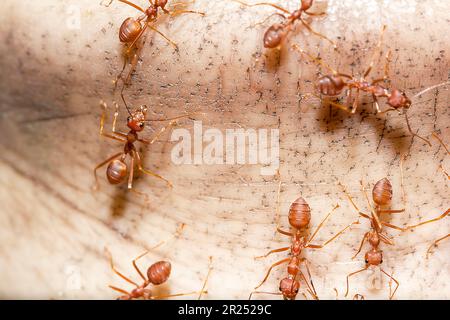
(382, 192)
(136, 121)
(306, 4)
(289, 288)
(331, 85)
(398, 99)
(159, 272)
(374, 257)
(274, 35)
(299, 214)
(160, 3)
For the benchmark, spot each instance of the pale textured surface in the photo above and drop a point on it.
(54, 228)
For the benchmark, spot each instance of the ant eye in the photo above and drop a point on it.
(141, 125)
(367, 261)
(129, 119)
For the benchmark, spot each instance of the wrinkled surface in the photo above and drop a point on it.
(53, 228)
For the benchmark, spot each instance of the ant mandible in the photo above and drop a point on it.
(277, 33)
(118, 170)
(332, 85)
(132, 30)
(299, 218)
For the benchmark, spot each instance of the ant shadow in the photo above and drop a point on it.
(332, 118)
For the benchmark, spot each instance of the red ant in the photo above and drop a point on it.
(333, 84)
(382, 197)
(157, 274)
(132, 30)
(117, 169)
(299, 218)
(278, 32)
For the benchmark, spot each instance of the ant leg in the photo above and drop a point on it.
(441, 142)
(116, 114)
(206, 279)
(375, 216)
(442, 216)
(134, 61)
(119, 290)
(434, 244)
(116, 271)
(411, 132)
(102, 124)
(102, 164)
(352, 274)
(391, 211)
(372, 61)
(165, 37)
(313, 290)
(318, 61)
(272, 251)
(355, 102)
(133, 5)
(136, 267)
(319, 246)
(322, 222)
(349, 197)
(361, 245)
(385, 239)
(262, 4)
(317, 33)
(270, 269)
(393, 279)
(339, 105)
(119, 76)
(392, 226)
(286, 233)
(386, 69)
(375, 102)
(178, 12)
(148, 172)
(267, 18)
(157, 135)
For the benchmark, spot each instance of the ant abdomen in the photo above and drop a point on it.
(116, 171)
(299, 214)
(129, 30)
(331, 85)
(382, 192)
(274, 35)
(159, 272)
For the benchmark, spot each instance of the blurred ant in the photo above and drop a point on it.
(157, 274)
(299, 218)
(332, 85)
(118, 170)
(277, 33)
(132, 30)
